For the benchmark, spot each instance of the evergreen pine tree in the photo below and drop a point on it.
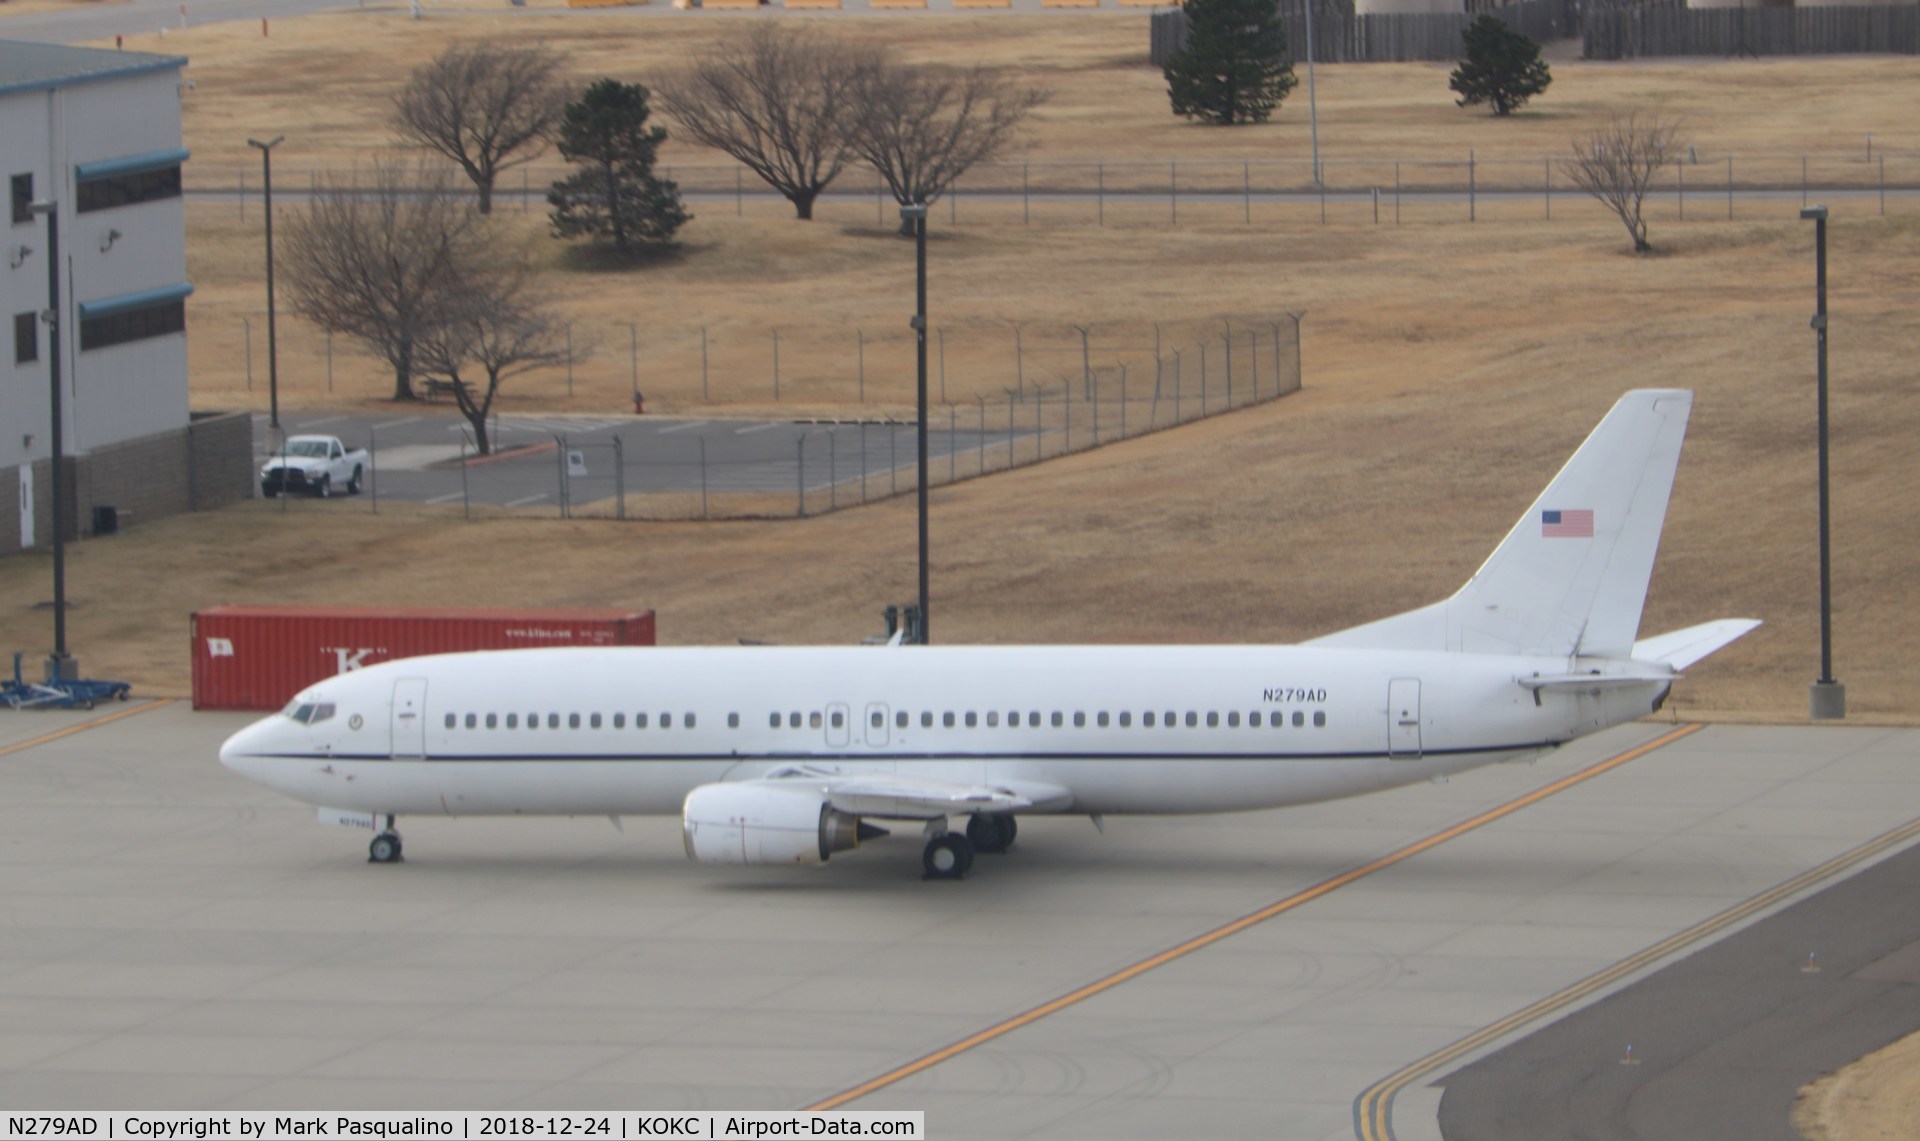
(1502, 67)
(615, 196)
(1234, 68)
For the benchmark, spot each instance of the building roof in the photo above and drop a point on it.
(28, 66)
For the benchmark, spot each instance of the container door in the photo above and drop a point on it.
(26, 506)
(839, 726)
(1403, 719)
(876, 726)
(410, 718)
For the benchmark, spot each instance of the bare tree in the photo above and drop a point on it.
(922, 128)
(488, 107)
(385, 257)
(777, 99)
(497, 330)
(1617, 165)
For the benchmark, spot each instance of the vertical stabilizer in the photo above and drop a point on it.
(1571, 576)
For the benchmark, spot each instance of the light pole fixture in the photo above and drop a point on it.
(1828, 698)
(916, 213)
(57, 667)
(273, 355)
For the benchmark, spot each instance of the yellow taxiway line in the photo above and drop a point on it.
(1325, 887)
(95, 723)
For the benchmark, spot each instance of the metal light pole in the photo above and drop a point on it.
(917, 214)
(1828, 698)
(1313, 102)
(57, 666)
(273, 354)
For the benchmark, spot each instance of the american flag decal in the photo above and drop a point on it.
(1566, 524)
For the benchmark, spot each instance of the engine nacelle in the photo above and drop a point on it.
(766, 822)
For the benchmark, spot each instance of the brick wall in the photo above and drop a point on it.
(205, 465)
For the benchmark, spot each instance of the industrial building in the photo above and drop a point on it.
(93, 154)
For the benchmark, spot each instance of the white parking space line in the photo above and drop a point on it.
(445, 498)
(523, 502)
(683, 426)
(396, 423)
(752, 428)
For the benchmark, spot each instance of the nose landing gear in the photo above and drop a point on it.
(385, 848)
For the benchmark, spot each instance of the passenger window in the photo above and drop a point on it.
(687, 722)
(814, 720)
(793, 720)
(733, 721)
(1170, 720)
(553, 721)
(1193, 719)
(973, 719)
(1059, 719)
(573, 721)
(493, 720)
(877, 720)
(1126, 719)
(1299, 719)
(1253, 719)
(451, 718)
(1319, 719)
(1079, 720)
(666, 721)
(593, 722)
(1213, 720)
(1146, 719)
(639, 721)
(619, 721)
(773, 720)
(946, 719)
(926, 719)
(1233, 720)
(513, 721)
(1101, 720)
(838, 719)
(533, 721)
(900, 719)
(993, 719)
(473, 721)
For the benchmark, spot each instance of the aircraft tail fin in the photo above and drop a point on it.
(1571, 576)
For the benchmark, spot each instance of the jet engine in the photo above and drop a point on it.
(762, 822)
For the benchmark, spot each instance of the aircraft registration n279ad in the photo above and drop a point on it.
(778, 755)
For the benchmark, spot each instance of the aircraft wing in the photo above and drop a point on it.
(899, 796)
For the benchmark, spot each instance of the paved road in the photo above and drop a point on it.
(1722, 1039)
(417, 457)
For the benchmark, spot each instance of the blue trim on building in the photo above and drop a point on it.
(129, 164)
(127, 302)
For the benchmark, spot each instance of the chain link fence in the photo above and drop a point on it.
(1063, 390)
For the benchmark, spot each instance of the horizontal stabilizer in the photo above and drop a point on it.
(1594, 681)
(1682, 648)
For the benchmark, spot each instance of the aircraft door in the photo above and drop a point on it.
(1403, 719)
(839, 725)
(876, 726)
(410, 718)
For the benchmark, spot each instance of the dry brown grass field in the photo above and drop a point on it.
(1449, 368)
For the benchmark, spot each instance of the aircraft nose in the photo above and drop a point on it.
(243, 746)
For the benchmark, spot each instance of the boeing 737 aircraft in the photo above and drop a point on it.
(776, 755)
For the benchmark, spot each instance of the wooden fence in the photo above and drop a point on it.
(1642, 32)
(1658, 29)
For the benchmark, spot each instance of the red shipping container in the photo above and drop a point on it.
(259, 657)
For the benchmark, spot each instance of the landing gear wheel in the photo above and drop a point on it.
(948, 856)
(353, 483)
(991, 832)
(385, 849)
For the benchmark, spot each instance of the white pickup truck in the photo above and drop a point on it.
(313, 464)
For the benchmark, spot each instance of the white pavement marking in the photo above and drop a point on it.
(683, 426)
(752, 428)
(396, 423)
(445, 498)
(527, 500)
(322, 422)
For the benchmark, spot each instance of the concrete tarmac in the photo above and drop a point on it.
(172, 937)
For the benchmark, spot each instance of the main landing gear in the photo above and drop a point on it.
(385, 848)
(949, 855)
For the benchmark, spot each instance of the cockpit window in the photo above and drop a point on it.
(309, 712)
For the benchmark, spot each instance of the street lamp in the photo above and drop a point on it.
(1828, 698)
(916, 213)
(273, 356)
(57, 666)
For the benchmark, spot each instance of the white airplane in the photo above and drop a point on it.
(775, 755)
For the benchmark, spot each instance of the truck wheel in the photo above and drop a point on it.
(324, 489)
(353, 484)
